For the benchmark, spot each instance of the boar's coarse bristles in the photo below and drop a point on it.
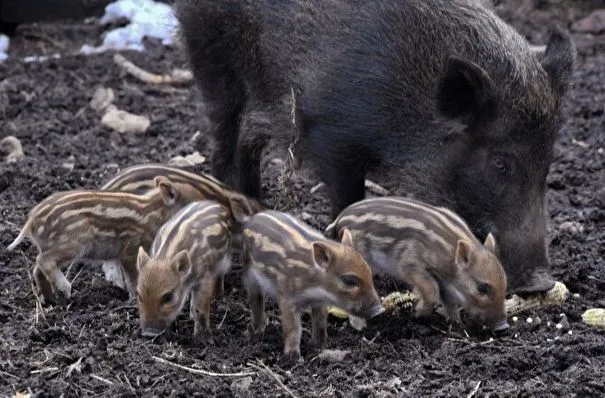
(594, 317)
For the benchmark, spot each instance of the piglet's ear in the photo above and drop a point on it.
(346, 238)
(240, 208)
(322, 254)
(167, 190)
(465, 91)
(181, 263)
(490, 243)
(464, 254)
(142, 258)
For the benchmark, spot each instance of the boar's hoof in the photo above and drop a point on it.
(538, 282)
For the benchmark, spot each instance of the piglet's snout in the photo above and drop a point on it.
(501, 326)
(148, 331)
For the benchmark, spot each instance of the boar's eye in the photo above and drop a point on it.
(500, 165)
(166, 298)
(484, 288)
(350, 281)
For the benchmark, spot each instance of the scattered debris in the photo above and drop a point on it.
(189, 160)
(77, 366)
(177, 76)
(593, 23)
(70, 163)
(333, 356)
(594, 317)
(124, 122)
(147, 18)
(573, 227)
(102, 98)
(240, 387)
(317, 187)
(12, 147)
(581, 144)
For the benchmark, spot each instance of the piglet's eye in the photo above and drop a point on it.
(167, 298)
(483, 288)
(350, 281)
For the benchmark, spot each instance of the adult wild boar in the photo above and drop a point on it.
(442, 90)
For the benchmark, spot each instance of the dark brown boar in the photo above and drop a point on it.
(444, 92)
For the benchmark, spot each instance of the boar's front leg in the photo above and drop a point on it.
(345, 182)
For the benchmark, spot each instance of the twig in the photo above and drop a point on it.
(220, 325)
(53, 369)
(94, 376)
(201, 371)
(76, 277)
(472, 393)
(10, 375)
(177, 76)
(263, 368)
(374, 187)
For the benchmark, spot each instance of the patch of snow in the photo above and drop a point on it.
(147, 18)
(4, 41)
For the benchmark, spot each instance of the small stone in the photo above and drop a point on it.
(515, 319)
(572, 227)
(593, 23)
(306, 216)
(332, 356)
(102, 98)
(570, 332)
(559, 326)
(576, 295)
(529, 320)
(188, 160)
(124, 122)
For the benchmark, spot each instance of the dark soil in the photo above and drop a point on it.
(93, 347)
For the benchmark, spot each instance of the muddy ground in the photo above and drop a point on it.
(93, 346)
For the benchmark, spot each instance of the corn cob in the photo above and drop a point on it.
(554, 296)
(594, 317)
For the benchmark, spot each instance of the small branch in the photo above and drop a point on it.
(177, 76)
(53, 369)
(472, 393)
(377, 189)
(201, 371)
(94, 376)
(9, 375)
(263, 368)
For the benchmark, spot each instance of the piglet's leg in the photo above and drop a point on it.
(292, 330)
(256, 301)
(427, 290)
(43, 284)
(128, 262)
(47, 263)
(219, 287)
(204, 300)
(319, 319)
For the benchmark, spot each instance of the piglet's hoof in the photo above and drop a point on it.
(290, 359)
(204, 340)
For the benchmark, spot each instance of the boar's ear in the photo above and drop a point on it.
(346, 238)
(490, 243)
(322, 254)
(167, 190)
(465, 91)
(181, 263)
(559, 59)
(464, 253)
(142, 258)
(240, 208)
